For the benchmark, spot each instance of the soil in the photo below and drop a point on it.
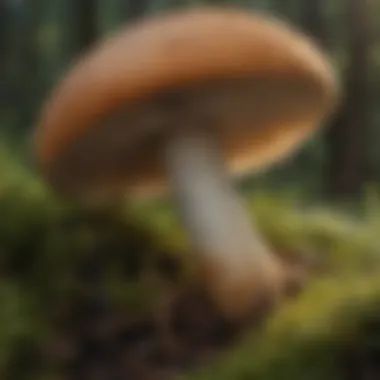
(110, 348)
(98, 342)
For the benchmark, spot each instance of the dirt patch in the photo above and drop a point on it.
(98, 342)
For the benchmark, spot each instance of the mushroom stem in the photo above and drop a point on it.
(236, 263)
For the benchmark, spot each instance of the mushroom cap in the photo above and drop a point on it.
(260, 86)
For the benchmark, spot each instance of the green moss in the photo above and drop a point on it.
(307, 339)
(43, 242)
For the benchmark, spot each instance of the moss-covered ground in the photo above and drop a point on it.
(68, 275)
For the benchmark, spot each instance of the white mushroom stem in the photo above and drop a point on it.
(238, 265)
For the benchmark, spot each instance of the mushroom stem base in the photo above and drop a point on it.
(236, 265)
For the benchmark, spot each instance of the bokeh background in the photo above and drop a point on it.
(81, 291)
(39, 40)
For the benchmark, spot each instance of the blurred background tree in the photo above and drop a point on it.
(43, 245)
(40, 38)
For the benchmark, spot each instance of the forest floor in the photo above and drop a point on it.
(90, 296)
(191, 340)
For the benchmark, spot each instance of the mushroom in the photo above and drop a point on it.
(189, 98)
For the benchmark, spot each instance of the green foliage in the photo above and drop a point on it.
(309, 338)
(340, 240)
(44, 242)
(43, 245)
(338, 314)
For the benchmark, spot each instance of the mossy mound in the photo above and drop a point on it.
(331, 332)
(51, 256)
(54, 256)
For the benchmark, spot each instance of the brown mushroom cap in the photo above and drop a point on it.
(260, 86)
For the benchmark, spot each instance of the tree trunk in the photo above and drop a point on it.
(178, 4)
(4, 52)
(84, 24)
(283, 7)
(135, 9)
(348, 138)
(313, 21)
(23, 61)
(4, 22)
